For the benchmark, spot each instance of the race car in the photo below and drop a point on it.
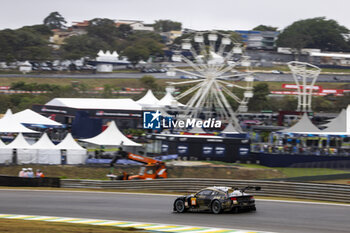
(216, 200)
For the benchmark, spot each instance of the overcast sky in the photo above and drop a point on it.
(194, 14)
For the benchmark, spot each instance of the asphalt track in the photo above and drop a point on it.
(271, 215)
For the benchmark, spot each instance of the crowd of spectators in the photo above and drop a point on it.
(28, 173)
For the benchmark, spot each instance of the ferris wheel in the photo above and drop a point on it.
(213, 67)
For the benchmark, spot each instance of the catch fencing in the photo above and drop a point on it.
(313, 191)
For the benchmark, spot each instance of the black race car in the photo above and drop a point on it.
(216, 200)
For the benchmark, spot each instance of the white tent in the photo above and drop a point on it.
(148, 100)
(197, 130)
(340, 125)
(25, 154)
(230, 129)
(169, 100)
(93, 103)
(303, 126)
(337, 124)
(111, 137)
(5, 153)
(75, 153)
(32, 118)
(8, 124)
(47, 153)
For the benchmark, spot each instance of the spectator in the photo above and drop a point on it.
(21, 173)
(25, 172)
(39, 174)
(30, 173)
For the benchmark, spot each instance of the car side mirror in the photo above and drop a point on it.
(257, 188)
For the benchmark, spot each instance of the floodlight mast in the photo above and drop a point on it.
(303, 71)
(211, 69)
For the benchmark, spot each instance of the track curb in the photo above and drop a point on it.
(154, 227)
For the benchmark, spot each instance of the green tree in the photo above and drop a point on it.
(27, 43)
(262, 27)
(167, 26)
(136, 54)
(107, 91)
(55, 21)
(260, 98)
(124, 30)
(84, 45)
(322, 104)
(318, 33)
(103, 28)
(149, 82)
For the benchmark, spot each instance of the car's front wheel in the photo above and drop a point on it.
(216, 207)
(180, 206)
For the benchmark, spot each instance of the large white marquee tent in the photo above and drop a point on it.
(75, 153)
(149, 100)
(8, 124)
(29, 117)
(111, 137)
(46, 151)
(25, 153)
(5, 153)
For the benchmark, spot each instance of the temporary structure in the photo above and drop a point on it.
(8, 124)
(338, 124)
(31, 118)
(148, 100)
(47, 152)
(303, 126)
(75, 153)
(95, 103)
(230, 129)
(169, 100)
(197, 130)
(5, 153)
(25, 154)
(111, 137)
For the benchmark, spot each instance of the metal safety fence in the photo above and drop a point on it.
(313, 191)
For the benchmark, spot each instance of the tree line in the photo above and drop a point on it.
(32, 42)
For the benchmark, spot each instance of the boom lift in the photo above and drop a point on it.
(153, 169)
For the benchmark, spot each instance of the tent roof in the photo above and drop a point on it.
(2, 144)
(149, 99)
(196, 130)
(337, 124)
(111, 137)
(44, 143)
(30, 117)
(169, 100)
(304, 125)
(69, 143)
(230, 129)
(8, 124)
(19, 142)
(94, 103)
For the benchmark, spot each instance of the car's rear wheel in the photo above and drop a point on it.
(180, 206)
(216, 207)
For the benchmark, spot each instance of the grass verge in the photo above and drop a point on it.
(32, 226)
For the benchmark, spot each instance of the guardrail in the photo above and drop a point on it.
(14, 181)
(322, 192)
